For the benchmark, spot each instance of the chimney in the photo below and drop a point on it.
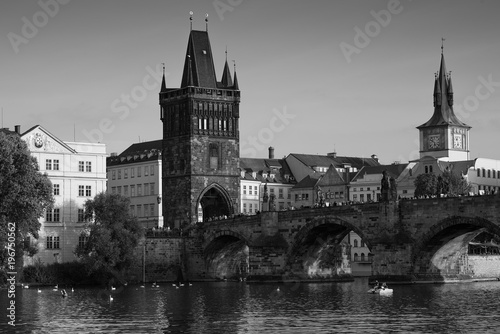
(332, 154)
(271, 152)
(17, 129)
(374, 157)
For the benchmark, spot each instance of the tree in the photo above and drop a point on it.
(25, 194)
(113, 234)
(454, 185)
(448, 183)
(426, 185)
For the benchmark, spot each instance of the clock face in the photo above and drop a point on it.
(457, 141)
(434, 141)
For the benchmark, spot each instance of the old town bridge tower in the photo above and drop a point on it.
(200, 139)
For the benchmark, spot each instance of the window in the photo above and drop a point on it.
(151, 188)
(280, 193)
(49, 215)
(81, 215)
(48, 164)
(125, 190)
(119, 190)
(152, 170)
(250, 207)
(88, 166)
(297, 198)
(478, 172)
(484, 172)
(81, 190)
(82, 241)
(113, 190)
(57, 216)
(139, 190)
(139, 171)
(88, 191)
(489, 173)
(244, 207)
(132, 191)
(132, 210)
(146, 170)
(119, 174)
(125, 173)
(113, 174)
(132, 172)
(151, 210)
(146, 189)
(56, 189)
(139, 210)
(56, 165)
(53, 242)
(250, 190)
(81, 166)
(244, 190)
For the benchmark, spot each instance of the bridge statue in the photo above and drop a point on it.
(272, 203)
(265, 199)
(384, 187)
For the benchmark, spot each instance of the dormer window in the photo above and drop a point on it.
(254, 174)
(264, 175)
(204, 52)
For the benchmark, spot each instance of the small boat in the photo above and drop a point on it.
(381, 291)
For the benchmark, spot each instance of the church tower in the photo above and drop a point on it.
(200, 139)
(444, 135)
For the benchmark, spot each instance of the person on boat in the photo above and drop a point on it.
(64, 293)
(384, 286)
(376, 286)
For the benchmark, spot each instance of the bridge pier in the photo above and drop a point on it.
(392, 263)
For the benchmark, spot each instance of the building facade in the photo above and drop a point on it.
(136, 174)
(77, 171)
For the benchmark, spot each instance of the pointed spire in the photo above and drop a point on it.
(437, 91)
(163, 83)
(226, 75)
(449, 92)
(443, 82)
(235, 83)
(206, 22)
(190, 20)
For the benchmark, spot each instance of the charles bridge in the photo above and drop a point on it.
(410, 240)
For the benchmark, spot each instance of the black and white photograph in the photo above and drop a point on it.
(249, 166)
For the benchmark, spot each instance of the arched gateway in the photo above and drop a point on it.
(214, 203)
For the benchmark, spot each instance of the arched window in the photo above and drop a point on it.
(355, 257)
(362, 256)
(355, 242)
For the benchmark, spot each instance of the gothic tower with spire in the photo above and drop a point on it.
(200, 140)
(444, 135)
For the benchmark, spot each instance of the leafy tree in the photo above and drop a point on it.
(113, 234)
(25, 194)
(448, 183)
(455, 185)
(426, 185)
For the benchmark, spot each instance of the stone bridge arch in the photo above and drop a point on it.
(226, 255)
(316, 250)
(441, 252)
(214, 201)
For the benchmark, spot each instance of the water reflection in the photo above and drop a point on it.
(228, 307)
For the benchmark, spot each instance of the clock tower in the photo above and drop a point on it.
(444, 135)
(200, 150)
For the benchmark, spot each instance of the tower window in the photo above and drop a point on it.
(214, 155)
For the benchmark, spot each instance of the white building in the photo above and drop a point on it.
(78, 172)
(136, 174)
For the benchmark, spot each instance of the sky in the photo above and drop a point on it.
(355, 77)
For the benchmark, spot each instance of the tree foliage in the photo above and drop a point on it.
(25, 193)
(113, 233)
(448, 183)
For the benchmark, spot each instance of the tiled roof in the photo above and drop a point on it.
(326, 160)
(266, 166)
(143, 147)
(306, 182)
(393, 170)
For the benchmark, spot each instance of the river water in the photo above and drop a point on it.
(232, 307)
